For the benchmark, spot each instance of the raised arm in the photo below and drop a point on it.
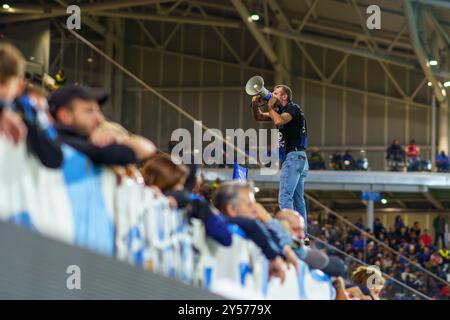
(278, 119)
(258, 115)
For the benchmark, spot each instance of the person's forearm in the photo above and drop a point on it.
(257, 114)
(142, 147)
(276, 118)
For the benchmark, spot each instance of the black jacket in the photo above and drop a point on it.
(41, 141)
(114, 154)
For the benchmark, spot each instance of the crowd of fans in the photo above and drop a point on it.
(412, 243)
(397, 159)
(71, 115)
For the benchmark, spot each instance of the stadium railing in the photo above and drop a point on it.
(84, 205)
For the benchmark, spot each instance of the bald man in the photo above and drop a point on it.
(314, 258)
(294, 221)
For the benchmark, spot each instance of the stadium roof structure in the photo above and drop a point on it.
(412, 34)
(334, 24)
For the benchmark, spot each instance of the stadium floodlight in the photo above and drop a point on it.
(254, 17)
(447, 84)
(6, 6)
(429, 83)
(256, 189)
(383, 201)
(433, 62)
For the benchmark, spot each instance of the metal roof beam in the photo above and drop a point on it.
(257, 34)
(339, 46)
(433, 201)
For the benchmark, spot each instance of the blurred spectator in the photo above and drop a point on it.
(348, 161)
(206, 191)
(416, 229)
(12, 69)
(315, 160)
(294, 221)
(130, 170)
(395, 155)
(22, 108)
(336, 161)
(403, 240)
(161, 172)
(362, 163)
(369, 281)
(359, 224)
(445, 255)
(398, 224)
(425, 238)
(76, 110)
(378, 228)
(403, 234)
(442, 162)
(424, 255)
(413, 156)
(314, 258)
(439, 229)
(179, 183)
(235, 199)
(216, 184)
(42, 136)
(60, 79)
(358, 243)
(280, 234)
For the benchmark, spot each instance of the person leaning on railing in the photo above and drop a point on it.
(236, 201)
(76, 110)
(177, 183)
(12, 67)
(20, 114)
(367, 283)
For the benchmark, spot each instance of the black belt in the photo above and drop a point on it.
(290, 149)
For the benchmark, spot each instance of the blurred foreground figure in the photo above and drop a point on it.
(368, 283)
(79, 121)
(12, 68)
(23, 110)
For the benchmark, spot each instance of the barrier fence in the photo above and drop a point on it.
(85, 205)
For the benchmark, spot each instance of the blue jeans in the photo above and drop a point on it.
(292, 183)
(413, 164)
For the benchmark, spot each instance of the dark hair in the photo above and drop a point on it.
(161, 172)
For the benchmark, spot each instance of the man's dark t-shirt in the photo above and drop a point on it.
(114, 154)
(294, 133)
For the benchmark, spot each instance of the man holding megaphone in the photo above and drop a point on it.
(290, 120)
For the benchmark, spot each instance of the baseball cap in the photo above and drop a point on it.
(68, 93)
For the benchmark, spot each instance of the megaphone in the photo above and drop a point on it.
(255, 86)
